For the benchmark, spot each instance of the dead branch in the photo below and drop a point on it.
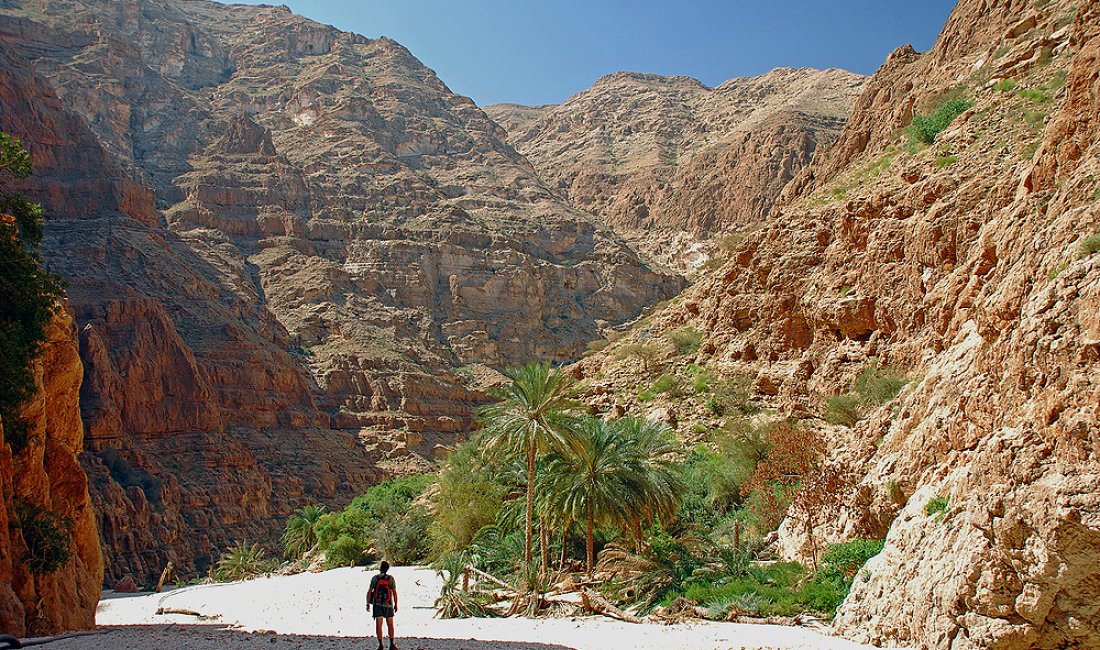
(497, 581)
(172, 610)
(594, 602)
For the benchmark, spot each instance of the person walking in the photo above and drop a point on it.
(383, 599)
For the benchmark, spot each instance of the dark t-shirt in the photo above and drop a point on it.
(374, 590)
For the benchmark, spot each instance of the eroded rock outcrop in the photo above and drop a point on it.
(966, 266)
(43, 488)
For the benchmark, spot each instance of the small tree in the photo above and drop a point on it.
(794, 480)
(649, 354)
(30, 293)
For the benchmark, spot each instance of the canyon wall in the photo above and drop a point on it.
(645, 151)
(284, 245)
(43, 488)
(967, 265)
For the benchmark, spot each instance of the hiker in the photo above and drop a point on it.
(383, 600)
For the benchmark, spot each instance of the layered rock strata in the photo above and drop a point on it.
(645, 151)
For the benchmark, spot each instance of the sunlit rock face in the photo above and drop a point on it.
(965, 265)
(45, 476)
(646, 152)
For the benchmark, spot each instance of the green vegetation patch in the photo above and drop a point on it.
(873, 387)
(686, 340)
(732, 396)
(1088, 246)
(667, 384)
(386, 521)
(937, 506)
(923, 129)
(782, 589)
(946, 161)
(242, 562)
(48, 537)
(30, 294)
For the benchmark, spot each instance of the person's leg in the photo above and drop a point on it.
(389, 624)
(378, 628)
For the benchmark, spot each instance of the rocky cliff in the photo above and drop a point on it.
(645, 151)
(282, 244)
(969, 266)
(44, 503)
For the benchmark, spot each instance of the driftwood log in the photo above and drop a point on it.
(161, 611)
(594, 602)
(496, 581)
(165, 575)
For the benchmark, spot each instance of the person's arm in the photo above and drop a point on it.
(370, 592)
(393, 588)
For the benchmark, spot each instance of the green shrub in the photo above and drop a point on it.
(844, 410)
(780, 589)
(873, 387)
(649, 354)
(845, 559)
(392, 498)
(30, 294)
(666, 384)
(1088, 246)
(937, 506)
(924, 128)
(732, 396)
(1035, 119)
(701, 380)
(404, 540)
(1035, 95)
(47, 535)
(242, 562)
(879, 385)
(468, 497)
(598, 345)
(686, 340)
(946, 161)
(1005, 85)
(347, 550)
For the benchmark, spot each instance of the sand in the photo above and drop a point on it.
(316, 611)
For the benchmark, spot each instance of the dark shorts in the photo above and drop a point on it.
(382, 611)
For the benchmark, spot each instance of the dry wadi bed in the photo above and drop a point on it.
(326, 610)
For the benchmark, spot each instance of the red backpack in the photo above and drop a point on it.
(383, 590)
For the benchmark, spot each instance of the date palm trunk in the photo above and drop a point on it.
(589, 542)
(529, 522)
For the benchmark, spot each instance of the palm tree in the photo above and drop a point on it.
(657, 496)
(617, 474)
(533, 415)
(301, 532)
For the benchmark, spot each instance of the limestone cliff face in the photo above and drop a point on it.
(645, 151)
(281, 243)
(46, 475)
(963, 265)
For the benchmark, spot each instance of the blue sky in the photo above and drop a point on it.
(538, 52)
